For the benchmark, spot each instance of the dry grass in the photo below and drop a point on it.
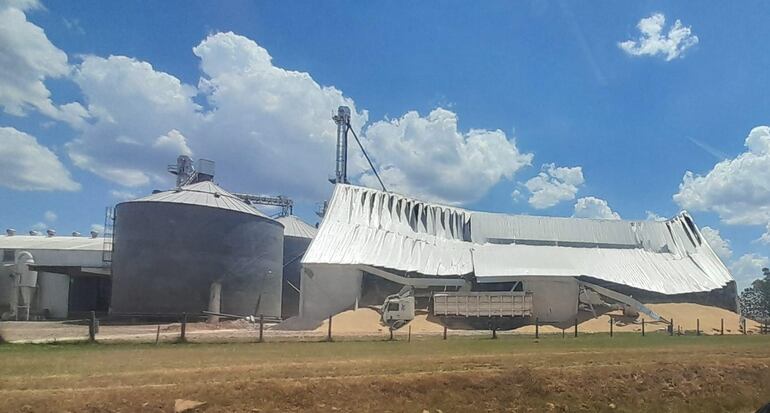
(592, 373)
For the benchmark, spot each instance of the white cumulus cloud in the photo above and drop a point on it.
(553, 185)
(122, 195)
(737, 189)
(430, 157)
(749, 267)
(30, 166)
(720, 245)
(653, 216)
(173, 142)
(594, 208)
(765, 238)
(38, 227)
(140, 119)
(268, 123)
(270, 130)
(27, 58)
(50, 216)
(265, 124)
(654, 41)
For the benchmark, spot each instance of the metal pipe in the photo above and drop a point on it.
(342, 119)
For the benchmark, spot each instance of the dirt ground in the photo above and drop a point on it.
(627, 373)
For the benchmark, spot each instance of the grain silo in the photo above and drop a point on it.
(296, 238)
(171, 247)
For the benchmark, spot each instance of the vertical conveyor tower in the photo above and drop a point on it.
(342, 119)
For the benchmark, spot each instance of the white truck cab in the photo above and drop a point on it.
(398, 309)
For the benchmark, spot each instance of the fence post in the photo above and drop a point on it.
(576, 324)
(671, 328)
(261, 326)
(744, 327)
(157, 335)
(494, 333)
(92, 327)
(409, 335)
(611, 323)
(537, 328)
(183, 331)
(329, 334)
(642, 327)
(563, 332)
(722, 327)
(445, 332)
(697, 326)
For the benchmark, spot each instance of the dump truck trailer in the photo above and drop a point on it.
(482, 304)
(463, 309)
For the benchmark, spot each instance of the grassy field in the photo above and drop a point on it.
(630, 373)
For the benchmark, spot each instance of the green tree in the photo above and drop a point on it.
(755, 300)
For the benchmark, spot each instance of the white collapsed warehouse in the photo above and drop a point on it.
(372, 243)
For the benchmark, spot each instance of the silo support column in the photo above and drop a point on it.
(14, 298)
(215, 301)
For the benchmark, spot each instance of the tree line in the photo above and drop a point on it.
(755, 300)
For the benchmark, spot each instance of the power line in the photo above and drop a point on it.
(350, 128)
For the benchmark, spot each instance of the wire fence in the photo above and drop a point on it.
(180, 328)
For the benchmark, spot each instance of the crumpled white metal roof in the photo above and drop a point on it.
(364, 226)
(295, 227)
(23, 242)
(204, 193)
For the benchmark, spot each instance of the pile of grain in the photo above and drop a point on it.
(367, 321)
(363, 320)
(420, 324)
(297, 324)
(685, 315)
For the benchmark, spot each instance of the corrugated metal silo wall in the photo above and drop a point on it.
(293, 249)
(167, 255)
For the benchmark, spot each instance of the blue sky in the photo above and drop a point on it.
(526, 107)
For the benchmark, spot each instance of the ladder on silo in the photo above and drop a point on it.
(109, 226)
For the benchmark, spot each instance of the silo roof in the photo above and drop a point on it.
(204, 193)
(41, 242)
(295, 227)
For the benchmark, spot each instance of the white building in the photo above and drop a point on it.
(368, 235)
(66, 274)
